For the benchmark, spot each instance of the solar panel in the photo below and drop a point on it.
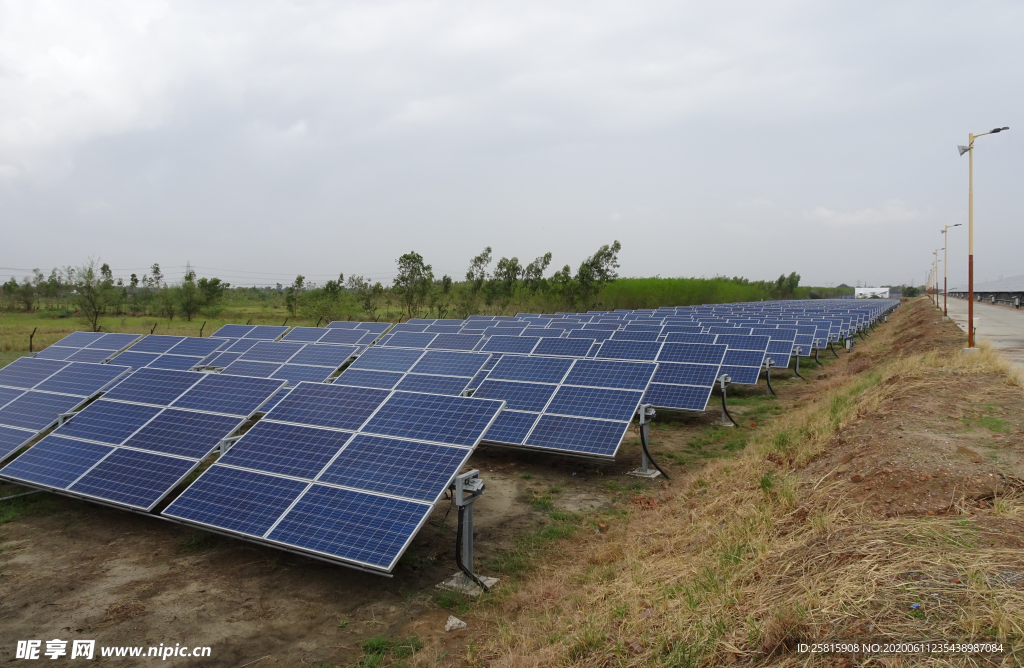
(267, 351)
(156, 343)
(346, 336)
(265, 332)
(686, 375)
(562, 347)
(135, 359)
(541, 391)
(369, 378)
(410, 339)
(297, 373)
(255, 369)
(132, 454)
(27, 372)
(83, 380)
(629, 350)
(454, 342)
(176, 362)
(12, 439)
(510, 344)
(311, 334)
(344, 491)
(195, 346)
(382, 359)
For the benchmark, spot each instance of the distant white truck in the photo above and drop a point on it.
(868, 293)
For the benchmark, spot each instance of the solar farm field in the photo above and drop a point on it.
(279, 493)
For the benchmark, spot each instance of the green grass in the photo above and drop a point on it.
(384, 651)
(25, 506)
(198, 541)
(527, 553)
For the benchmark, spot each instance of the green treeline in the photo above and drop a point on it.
(490, 285)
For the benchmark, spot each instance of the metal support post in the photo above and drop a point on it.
(727, 420)
(796, 362)
(644, 415)
(468, 487)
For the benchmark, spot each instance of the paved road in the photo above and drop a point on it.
(1003, 326)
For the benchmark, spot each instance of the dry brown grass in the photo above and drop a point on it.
(740, 563)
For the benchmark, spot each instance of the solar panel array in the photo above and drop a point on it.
(348, 467)
(142, 438)
(343, 473)
(34, 393)
(95, 347)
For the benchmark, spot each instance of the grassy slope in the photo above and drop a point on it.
(743, 557)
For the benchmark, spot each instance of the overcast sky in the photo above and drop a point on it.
(262, 139)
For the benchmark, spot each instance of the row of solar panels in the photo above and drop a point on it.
(344, 471)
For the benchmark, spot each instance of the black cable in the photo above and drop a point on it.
(796, 367)
(834, 353)
(643, 443)
(726, 410)
(458, 555)
(768, 378)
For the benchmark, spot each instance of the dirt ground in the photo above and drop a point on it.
(70, 569)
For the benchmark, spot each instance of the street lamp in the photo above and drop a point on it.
(945, 269)
(935, 274)
(970, 230)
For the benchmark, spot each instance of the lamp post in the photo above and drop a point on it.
(935, 274)
(945, 269)
(970, 229)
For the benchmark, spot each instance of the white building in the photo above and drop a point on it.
(868, 293)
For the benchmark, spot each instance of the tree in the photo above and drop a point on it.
(291, 294)
(506, 279)
(533, 274)
(93, 292)
(414, 280)
(188, 295)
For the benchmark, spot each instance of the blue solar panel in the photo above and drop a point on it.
(329, 356)
(55, 353)
(80, 339)
(380, 359)
(9, 394)
(241, 501)
(477, 379)
(153, 386)
(183, 433)
(328, 406)
(429, 417)
(695, 353)
(635, 336)
(286, 449)
(134, 359)
(55, 461)
(253, 369)
(232, 331)
(108, 421)
(518, 395)
(742, 375)
(267, 351)
(454, 342)
(27, 372)
(409, 339)
(595, 402)
(391, 466)
(192, 345)
(342, 324)
(443, 329)
(510, 344)
(275, 400)
(114, 341)
(682, 397)
(342, 336)
(306, 334)
(374, 327)
(743, 342)
(602, 373)
(562, 347)
(597, 437)
(83, 380)
(90, 355)
(136, 479)
(37, 410)
(690, 338)
(752, 358)
(239, 346)
(176, 362)
(384, 380)
(265, 332)
(295, 373)
(531, 369)
(11, 439)
(593, 334)
(234, 395)
(221, 360)
(445, 363)
(703, 375)
(447, 385)
(629, 350)
(358, 527)
(511, 427)
(156, 343)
